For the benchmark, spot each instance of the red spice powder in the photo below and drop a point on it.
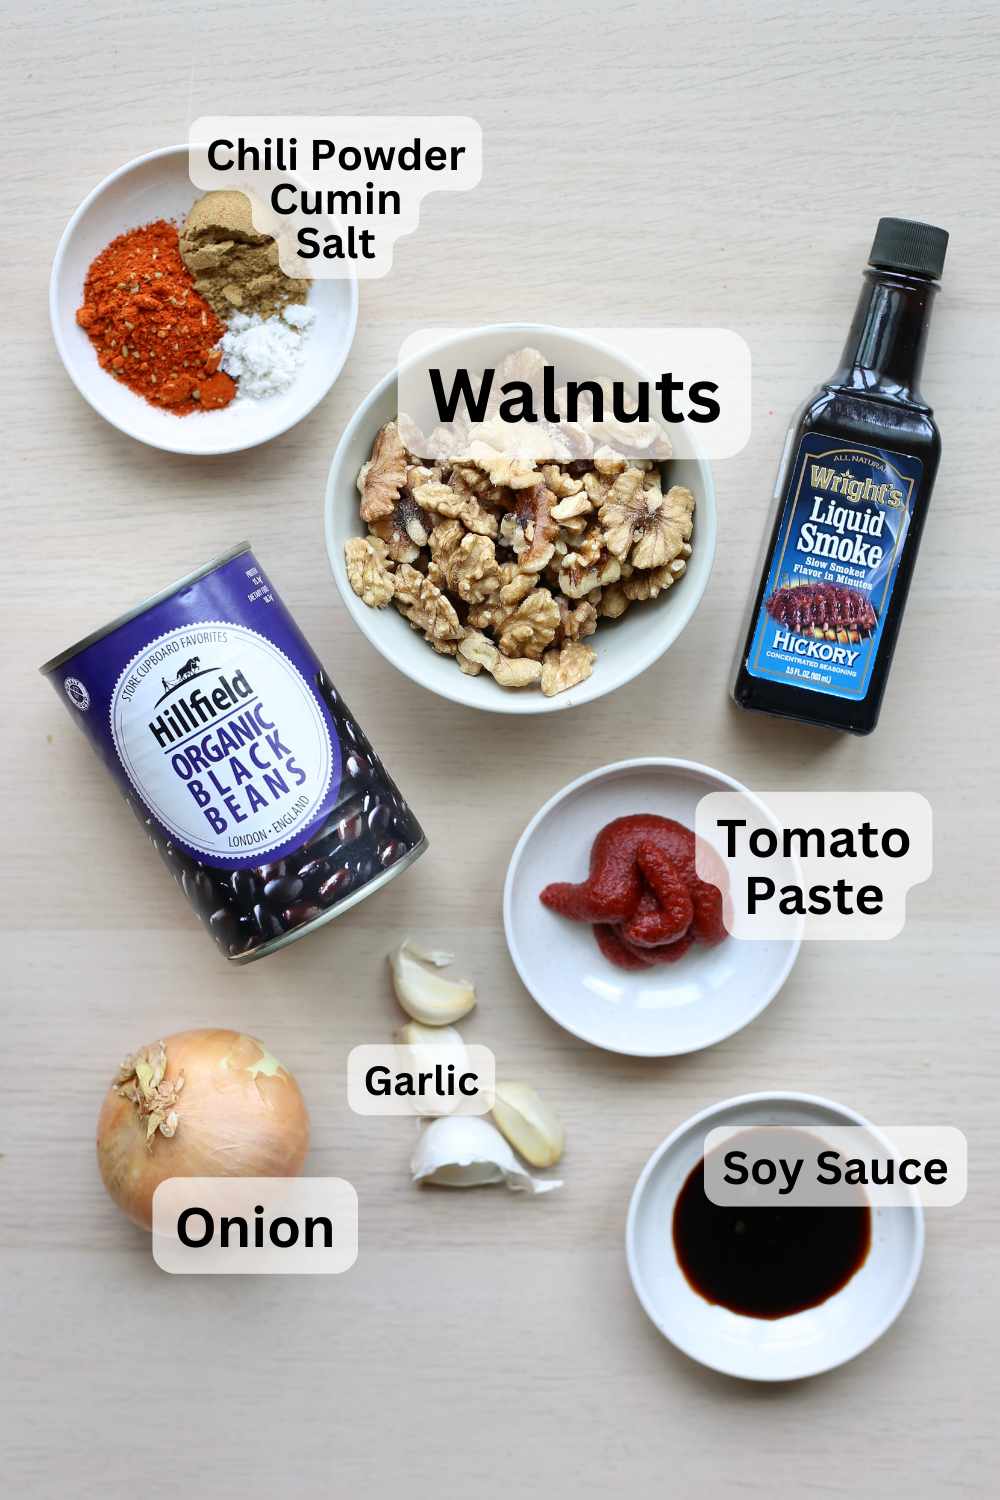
(150, 328)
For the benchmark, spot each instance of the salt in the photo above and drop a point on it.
(266, 355)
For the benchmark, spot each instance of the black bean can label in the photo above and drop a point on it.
(232, 747)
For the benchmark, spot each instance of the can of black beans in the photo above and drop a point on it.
(250, 776)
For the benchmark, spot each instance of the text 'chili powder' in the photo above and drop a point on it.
(150, 328)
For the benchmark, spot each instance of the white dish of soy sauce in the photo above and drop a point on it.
(764, 1348)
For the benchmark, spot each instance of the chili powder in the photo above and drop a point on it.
(149, 326)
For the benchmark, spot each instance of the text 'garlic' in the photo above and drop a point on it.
(426, 996)
(465, 1151)
(528, 1123)
(419, 1038)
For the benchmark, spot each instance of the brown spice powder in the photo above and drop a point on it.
(235, 267)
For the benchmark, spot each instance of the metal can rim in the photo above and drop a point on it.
(140, 609)
(352, 899)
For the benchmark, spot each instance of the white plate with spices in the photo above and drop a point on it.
(705, 996)
(154, 187)
(624, 647)
(789, 1347)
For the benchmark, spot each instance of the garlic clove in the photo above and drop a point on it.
(419, 1038)
(528, 1123)
(435, 956)
(466, 1151)
(413, 1034)
(424, 995)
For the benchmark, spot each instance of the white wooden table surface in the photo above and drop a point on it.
(688, 164)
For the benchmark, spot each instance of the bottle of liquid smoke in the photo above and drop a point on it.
(853, 492)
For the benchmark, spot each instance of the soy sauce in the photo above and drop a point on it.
(766, 1262)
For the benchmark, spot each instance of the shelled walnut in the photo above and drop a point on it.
(565, 668)
(508, 564)
(369, 570)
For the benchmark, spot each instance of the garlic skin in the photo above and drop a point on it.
(426, 996)
(466, 1151)
(528, 1123)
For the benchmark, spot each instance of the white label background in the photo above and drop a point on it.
(422, 1058)
(920, 1143)
(359, 136)
(280, 1197)
(690, 355)
(285, 701)
(827, 811)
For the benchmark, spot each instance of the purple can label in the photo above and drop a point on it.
(252, 780)
(214, 718)
(227, 746)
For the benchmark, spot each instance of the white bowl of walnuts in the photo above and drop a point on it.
(523, 578)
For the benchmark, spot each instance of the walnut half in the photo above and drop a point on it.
(590, 566)
(529, 528)
(479, 650)
(566, 668)
(495, 608)
(463, 562)
(385, 475)
(625, 512)
(531, 627)
(404, 528)
(451, 502)
(369, 570)
(667, 529)
(425, 606)
(649, 585)
(574, 624)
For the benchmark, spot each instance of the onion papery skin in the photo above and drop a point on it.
(240, 1114)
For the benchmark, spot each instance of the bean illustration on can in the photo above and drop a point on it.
(252, 780)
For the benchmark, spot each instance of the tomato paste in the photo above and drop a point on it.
(643, 895)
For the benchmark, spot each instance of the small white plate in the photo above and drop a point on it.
(707, 995)
(789, 1348)
(157, 186)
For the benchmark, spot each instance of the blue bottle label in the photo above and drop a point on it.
(834, 566)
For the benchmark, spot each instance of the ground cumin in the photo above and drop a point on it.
(150, 328)
(235, 267)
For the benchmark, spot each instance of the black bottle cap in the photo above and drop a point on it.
(905, 245)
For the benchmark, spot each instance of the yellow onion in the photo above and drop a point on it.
(200, 1104)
